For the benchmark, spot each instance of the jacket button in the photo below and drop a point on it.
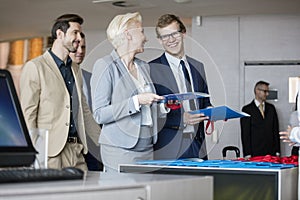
(130, 112)
(67, 106)
(67, 124)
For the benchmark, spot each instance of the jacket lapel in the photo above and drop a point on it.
(124, 75)
(170, 77)
(194, 74)
(143, 70)
(52, 65)
(256, 109)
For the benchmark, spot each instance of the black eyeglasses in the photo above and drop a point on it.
(265, 91)
(166, 37)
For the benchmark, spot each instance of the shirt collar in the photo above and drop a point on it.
(257, 103)
(173, 60)
(59, 62)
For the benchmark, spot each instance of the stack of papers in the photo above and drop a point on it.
(220, 113)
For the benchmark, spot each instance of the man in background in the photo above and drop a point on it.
(92, 158)
(260, 131)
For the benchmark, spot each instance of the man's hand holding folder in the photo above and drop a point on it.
(174, 102)
(192, 119)
(212, 114)
(220, 113)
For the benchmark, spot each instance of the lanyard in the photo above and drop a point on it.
(212, 127)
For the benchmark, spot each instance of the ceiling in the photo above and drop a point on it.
(30, 18)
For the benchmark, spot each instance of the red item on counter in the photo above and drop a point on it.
(275, 159)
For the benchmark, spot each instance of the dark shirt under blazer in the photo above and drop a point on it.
(45, 102)
(66, 72)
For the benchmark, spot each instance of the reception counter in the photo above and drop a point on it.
(114, 186)
(231, 182)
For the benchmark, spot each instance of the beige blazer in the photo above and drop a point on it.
(46, 103)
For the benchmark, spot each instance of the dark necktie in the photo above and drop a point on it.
(186, 76)
(187, 83)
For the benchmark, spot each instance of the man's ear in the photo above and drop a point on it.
(59, 34)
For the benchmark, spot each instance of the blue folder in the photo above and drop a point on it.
(220, 113)
(184, 96)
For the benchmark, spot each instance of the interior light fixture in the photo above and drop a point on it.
(183, 1)
(102, 1)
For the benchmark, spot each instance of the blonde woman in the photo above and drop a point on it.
(123, 97)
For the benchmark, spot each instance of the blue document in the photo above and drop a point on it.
(220, 113)
(184, 96)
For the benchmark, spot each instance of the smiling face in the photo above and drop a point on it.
(171, 39)
(72, 37)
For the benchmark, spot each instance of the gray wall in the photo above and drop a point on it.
(233, 40)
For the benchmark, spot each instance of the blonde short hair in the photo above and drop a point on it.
(118, 25)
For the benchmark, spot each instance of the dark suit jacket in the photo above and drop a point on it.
(260, 136)
(171, 128)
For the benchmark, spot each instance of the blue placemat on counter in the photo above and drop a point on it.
(217, 164)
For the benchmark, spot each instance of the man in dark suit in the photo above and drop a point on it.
(181, 134)
(260, 131)
(92, 158)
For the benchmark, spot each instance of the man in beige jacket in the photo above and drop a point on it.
(51, 97)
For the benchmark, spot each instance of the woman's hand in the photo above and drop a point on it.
(148, 98)
(285, 136)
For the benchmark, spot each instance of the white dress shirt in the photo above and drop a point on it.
(142, 88)
(257, 103)
(180, 80)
